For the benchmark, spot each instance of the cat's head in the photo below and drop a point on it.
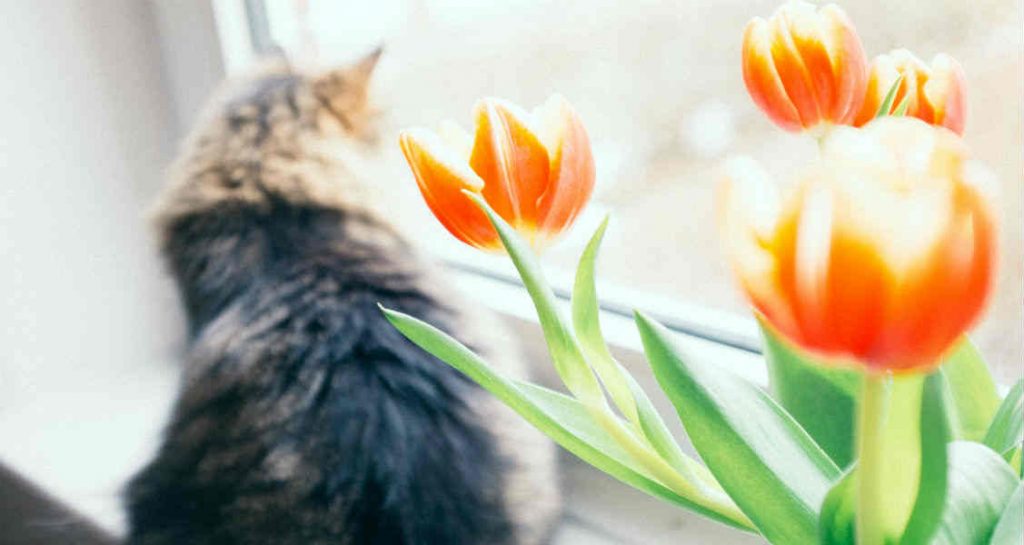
(276, 135)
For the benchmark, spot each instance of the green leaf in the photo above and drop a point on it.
(820, 397)
(1007, 429)
(1010, 528)
(980, 485)
(585, 312)
(886, 106)
(562, 418)
(839, 512)
(625, 392)
(932, 482)
(766, 462)
(566, 353)
(973, 398)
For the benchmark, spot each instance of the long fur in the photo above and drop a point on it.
(303, 416)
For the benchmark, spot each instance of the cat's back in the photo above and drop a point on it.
(304, 409)
(303, 416)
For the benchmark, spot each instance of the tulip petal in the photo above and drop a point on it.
(510, 158)
(789, 62)
(885, 253)
(849, 65)
(934, 94)
(572, 173)
(442, 176)
(951, 289)
(859, 284)
(944, 92)
(748, 211)
(881, 77)
(807, 33)
(763, 80)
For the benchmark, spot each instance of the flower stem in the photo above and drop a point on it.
(870, 429)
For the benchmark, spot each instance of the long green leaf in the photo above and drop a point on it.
(585, 312)
(971, 390)
(568, 358)
(821, 398)
(766, 462)
(562, 418)
(1007, 429)
(980, 485)
(1010, 528)
(625, 392)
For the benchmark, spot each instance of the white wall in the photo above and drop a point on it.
(94, 95)
(87, 125)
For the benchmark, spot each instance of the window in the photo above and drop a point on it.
(659, 86)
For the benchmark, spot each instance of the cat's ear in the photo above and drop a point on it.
(344, 93)
(364, 67)
(351, 77)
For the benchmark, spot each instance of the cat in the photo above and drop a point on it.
(303, 416)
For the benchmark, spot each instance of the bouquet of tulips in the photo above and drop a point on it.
(883, 424)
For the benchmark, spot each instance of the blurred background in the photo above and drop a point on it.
(98, 93)
(659, 86)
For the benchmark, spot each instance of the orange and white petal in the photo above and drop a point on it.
(572, 172)
(442, 176)
(529, 161)
(749, 211)
(789, 62)
(511, 160)
(807, 32)
(811, 260)
(881, 75)
(945, 92)
(762, 80)
(849, 64)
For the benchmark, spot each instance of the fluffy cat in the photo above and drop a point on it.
(303, 417)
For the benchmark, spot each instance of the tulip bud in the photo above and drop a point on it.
(935, 94)
(534, 169)
(884, 253)
(805, 66)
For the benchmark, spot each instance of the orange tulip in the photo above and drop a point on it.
(534, 169)
(805, 66)
(937, 93)
(883, 253)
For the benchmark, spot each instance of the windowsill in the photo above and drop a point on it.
(80, 446)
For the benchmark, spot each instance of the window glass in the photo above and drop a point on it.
(658, 85)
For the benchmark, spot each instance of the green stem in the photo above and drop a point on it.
(870, 447)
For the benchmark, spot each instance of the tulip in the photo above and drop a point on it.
(535, 169)
(804, 66)
(934, 94)
(883, 253)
